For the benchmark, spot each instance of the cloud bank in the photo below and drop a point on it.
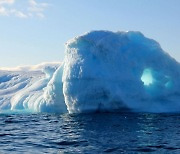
(40, 66)
(23, 8)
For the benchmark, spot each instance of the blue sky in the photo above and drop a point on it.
(35, 31)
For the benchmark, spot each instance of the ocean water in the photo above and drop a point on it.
(90, 133)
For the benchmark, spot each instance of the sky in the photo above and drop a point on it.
(35, 31)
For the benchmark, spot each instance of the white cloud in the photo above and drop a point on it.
(32, 2)
(37, 67)
(7, 1)
(18, 13)
(3, 11)
(37, 8)
(31, 8)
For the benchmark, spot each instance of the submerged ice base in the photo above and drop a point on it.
(102, 71)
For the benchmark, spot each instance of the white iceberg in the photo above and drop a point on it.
(102, 71)
(107, 71)
(33, 89)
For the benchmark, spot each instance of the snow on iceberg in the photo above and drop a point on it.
(107, 71)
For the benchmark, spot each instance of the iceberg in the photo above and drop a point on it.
(102, 71)
(107, 71)
(33, 89)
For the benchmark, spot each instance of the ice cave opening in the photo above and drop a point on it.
(147, 77)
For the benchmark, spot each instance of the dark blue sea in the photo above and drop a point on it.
(90, 133)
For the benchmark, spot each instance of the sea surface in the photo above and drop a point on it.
(90, 133)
